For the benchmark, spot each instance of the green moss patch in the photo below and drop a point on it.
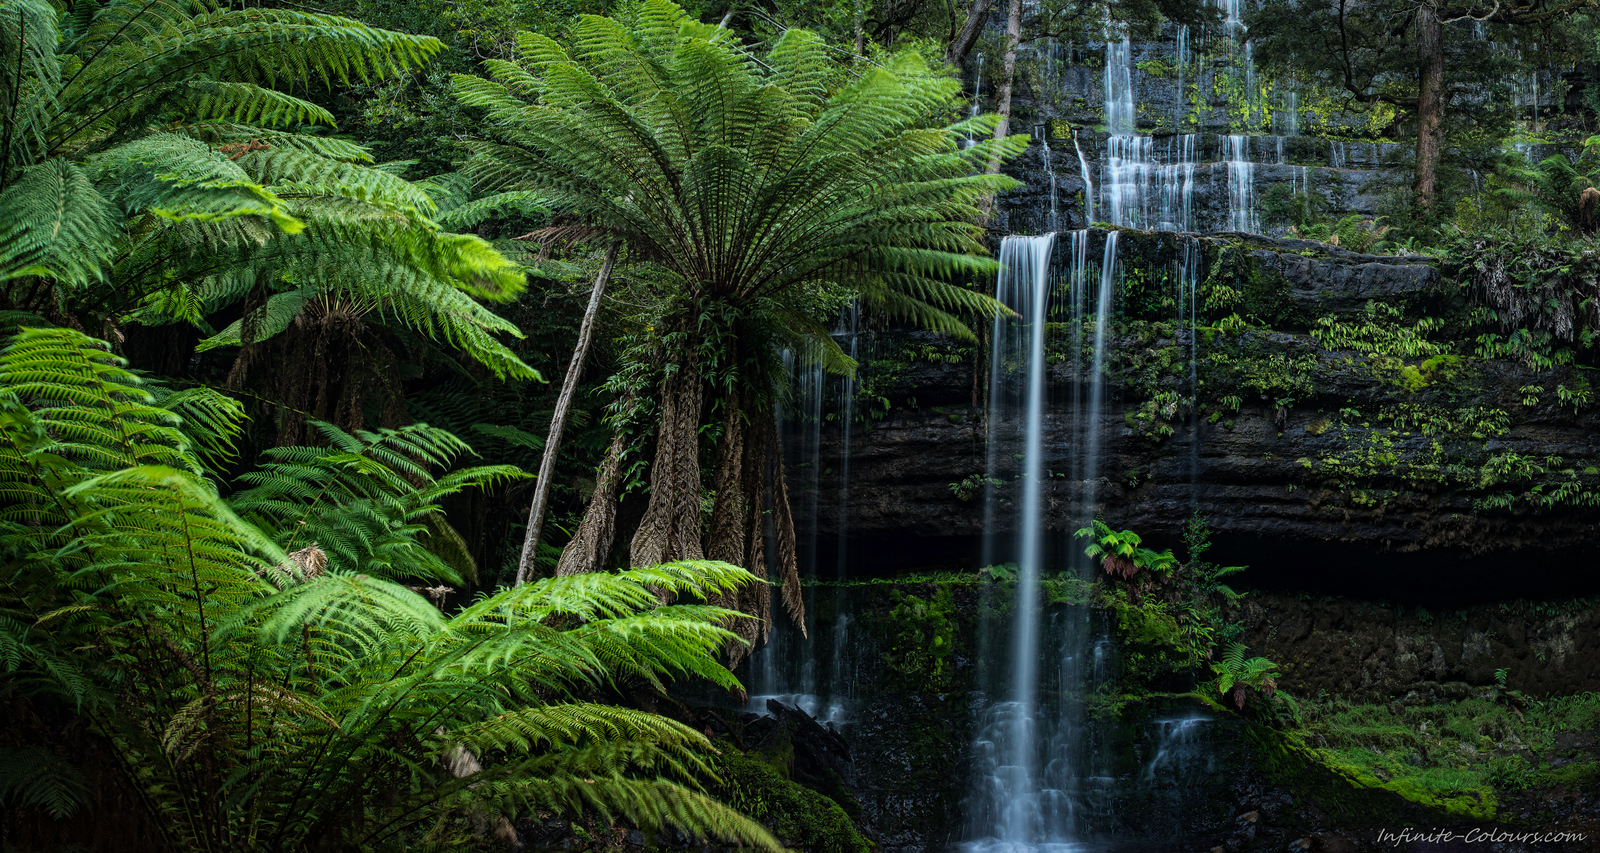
(1461, 758)
(799, 816)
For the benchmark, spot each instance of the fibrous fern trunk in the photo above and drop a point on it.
(671, 526)
(591, 542)
(558, 422)
(749, 463)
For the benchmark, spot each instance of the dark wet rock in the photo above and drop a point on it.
(918, 488)
(1369, 652)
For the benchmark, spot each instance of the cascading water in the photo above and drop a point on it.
(850, 327)
(1241, 185)
(787, 668)
(782, 668)
(1088, 183)
(977, 90)
(1054, 219)
(1029, 786)
(1144, 187)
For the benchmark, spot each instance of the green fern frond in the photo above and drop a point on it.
(35, 776)
(55, 224)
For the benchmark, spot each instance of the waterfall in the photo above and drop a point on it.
(1054, 222)
(1126, 153)
(1241, 185)
(1143, 188)
(1182, 59)
(782, 668)
(1029, 790)
(850, 326)
(1011, 806)
(977, 90)
(1088, 185)
(1233, 27)
(977, 86)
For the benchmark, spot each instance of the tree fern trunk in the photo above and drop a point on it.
(558, 423)
(736, 509)
(788, 562)
(671, 526)
(591, 542)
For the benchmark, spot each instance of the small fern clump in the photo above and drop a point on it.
(1237, 675)
(255, 698)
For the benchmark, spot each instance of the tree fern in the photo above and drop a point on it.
(142, 177)
(252, 703)
(753, 191)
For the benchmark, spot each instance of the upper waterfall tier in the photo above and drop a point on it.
(1198, 182)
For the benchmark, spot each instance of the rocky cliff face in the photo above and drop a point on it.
(1274, 437)
(1366, 652)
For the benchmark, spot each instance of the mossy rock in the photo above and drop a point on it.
(800, 817)
(1349, 791)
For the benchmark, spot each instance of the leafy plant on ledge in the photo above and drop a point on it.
(1122, 553)
(1238, 675)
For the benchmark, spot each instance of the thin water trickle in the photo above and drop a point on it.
(1088, 184)
(1054, 219)
(1180, 747)
(977, 90)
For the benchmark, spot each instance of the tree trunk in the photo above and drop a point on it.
(1430, 105)
(558, 423)
(670, 529)
(1008, 73)
(738, 505)
(1008, 77)
(591, 542)
(961, 45)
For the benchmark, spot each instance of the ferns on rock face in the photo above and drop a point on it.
(253, 703)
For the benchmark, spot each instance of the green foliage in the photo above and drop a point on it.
(151, 171)
(922, 638)
(1553, 186)
(972, 487)
(254, 697)
(1122, 553)
(1379, 332)
(1352, 231)
(1169, 616)
(1237, 674)
(369, 500)
(1458, 757)
(1537, 294)
(798, 815)
(692, 148)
